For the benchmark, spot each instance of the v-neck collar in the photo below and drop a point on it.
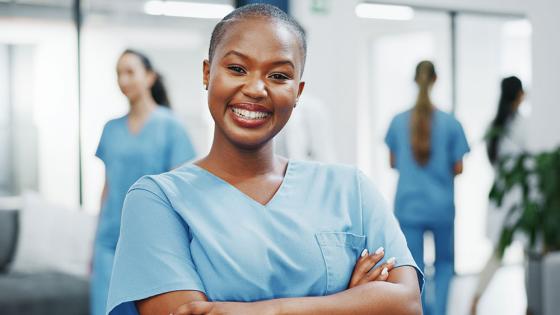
(278, 192)
(144, 124)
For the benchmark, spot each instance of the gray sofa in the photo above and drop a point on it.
(39, 293)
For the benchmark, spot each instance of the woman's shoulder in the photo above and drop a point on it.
(449, 120)
(169, 183)
(445, 115)
(333, 172)
(400, 120)
(115, 122)
(338, 179)
(402, 116)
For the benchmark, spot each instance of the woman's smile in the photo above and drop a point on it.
(249, 115)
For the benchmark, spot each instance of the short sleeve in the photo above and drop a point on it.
(101, 147)
(153, 252)
(391, 137)
(181, 148)
(382, 229)
(459, 144)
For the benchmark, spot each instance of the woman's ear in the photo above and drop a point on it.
(205, 73)
(300, 88)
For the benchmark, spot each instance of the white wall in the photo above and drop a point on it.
(46, 98)
(546, 68)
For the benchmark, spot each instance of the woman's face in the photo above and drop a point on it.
(134, 80)
(254, 81)
(518, 100)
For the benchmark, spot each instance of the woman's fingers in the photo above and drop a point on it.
(364, 265)
(182, 310)
(381, 273)
(367, 261)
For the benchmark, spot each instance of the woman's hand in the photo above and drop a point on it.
(363, 272)
(224, 308)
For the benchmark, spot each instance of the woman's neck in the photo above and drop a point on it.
(141, 107)
(231, 161)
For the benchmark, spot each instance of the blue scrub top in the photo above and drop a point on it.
(160, 145)
(425, 193)
(190, 230)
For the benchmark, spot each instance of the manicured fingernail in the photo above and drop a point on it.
(379, 250)
(364, 253)
(391, 260)
(384, 272)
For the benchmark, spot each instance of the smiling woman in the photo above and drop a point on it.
(244, 231)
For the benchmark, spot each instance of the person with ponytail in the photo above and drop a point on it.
(147, 140)
(426, 147)
(505, 137)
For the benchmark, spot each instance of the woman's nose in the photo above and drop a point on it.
(255, 88)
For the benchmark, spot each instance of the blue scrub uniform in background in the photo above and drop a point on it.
(190, 230)
(160, 145)
(424, 199)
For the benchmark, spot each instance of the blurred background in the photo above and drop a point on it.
(58, 87)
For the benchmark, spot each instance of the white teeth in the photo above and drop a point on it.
(247, 114)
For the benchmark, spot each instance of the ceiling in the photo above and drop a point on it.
(105, 5)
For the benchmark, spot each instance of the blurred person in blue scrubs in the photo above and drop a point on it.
(506, 137)
(147, 140)
(427, 147)
(245, 231)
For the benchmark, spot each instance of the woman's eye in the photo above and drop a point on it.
(237, 69)
(279, 76)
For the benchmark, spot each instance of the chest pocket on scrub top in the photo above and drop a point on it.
(340, 251)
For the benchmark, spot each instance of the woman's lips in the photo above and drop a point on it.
(249, 115)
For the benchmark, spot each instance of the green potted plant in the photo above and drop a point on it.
(535, 212)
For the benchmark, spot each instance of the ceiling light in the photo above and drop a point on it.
(188, 9)
(384, 11)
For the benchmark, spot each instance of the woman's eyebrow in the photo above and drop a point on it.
(283, 62)
(235, 53)
(274, 63)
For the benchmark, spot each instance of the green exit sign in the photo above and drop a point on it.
(320, 6)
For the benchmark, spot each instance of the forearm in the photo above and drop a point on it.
(372, 298)
(166, 303)
(398, 295)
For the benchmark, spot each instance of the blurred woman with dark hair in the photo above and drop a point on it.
(427, 147)
(504, 138)
(147, 140)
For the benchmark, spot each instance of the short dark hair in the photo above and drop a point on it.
(258, 10)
